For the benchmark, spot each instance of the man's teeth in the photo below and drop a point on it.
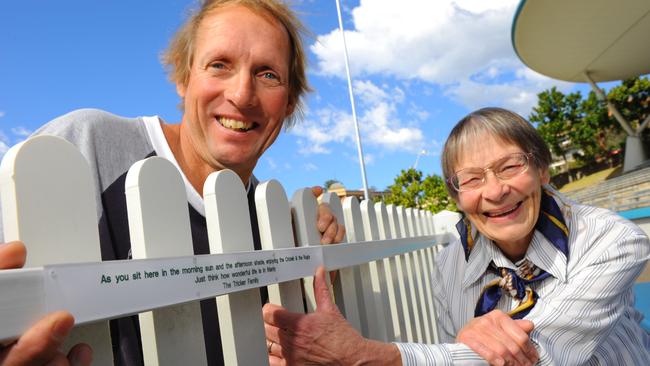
(235, 124)
(503, 213)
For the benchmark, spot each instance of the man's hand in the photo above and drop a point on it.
(331, 231)
(323, 337)
(499, 339)
(39, 345)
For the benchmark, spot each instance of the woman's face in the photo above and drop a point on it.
(505, 211)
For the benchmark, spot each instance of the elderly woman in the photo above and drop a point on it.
(525, 252)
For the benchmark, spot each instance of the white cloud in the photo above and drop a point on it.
(2, 114)
(519, 95)
(310, 167)
(378, 121)
(272, 164)
(21, 131)
(3, 148)
(457, 44)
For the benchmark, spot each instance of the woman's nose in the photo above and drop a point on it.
(494, 189)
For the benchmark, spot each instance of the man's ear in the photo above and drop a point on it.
(181, 89)
(291, 107)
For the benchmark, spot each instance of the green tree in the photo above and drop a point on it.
(411, 189)
(632, 99)
(554, 115)
(597, 133)
(330, 182)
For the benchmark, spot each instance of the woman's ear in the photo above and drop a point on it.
(545, 176)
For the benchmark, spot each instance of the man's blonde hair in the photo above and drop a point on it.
(179, 56)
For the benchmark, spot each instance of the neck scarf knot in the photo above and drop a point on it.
(516, 283)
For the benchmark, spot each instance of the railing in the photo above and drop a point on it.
(383, 287)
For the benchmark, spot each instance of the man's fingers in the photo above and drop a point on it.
(81, 355)
(279, 317)
(317, 191)
(525, 325)
(340, 233)
(41, 342)
(322, 292)
(518, 342)
(329, 234)
(12, 255)
(325, 217)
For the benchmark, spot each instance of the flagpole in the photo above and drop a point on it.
(362, 163)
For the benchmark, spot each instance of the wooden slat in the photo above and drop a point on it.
(274, 221)
(48, 202)
(159, 226)
(345, 286)
(229, 230)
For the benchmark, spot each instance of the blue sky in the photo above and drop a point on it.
(417, 67)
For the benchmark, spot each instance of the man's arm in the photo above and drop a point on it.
(40, 343)
(325, 337)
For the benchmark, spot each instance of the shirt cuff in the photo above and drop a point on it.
(415, 354)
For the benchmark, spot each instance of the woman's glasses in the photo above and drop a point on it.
(505, 168)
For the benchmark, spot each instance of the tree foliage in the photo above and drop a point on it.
(330, 182)
(567, 122)
(412, 189)
(632, 99)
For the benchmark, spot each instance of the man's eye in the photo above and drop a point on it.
(269, 75)
(217, 66)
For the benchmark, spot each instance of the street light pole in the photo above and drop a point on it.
(362, 163)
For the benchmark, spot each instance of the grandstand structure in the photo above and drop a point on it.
(625, 192)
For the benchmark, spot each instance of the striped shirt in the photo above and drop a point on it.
(585, 312)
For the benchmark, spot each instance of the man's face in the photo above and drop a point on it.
(237, 95)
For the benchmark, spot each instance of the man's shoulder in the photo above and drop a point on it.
(86, 122)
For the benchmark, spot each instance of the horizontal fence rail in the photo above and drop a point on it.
(48, 201)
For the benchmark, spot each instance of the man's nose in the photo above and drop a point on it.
(241, 90)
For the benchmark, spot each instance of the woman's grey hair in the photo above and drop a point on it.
(499, 123)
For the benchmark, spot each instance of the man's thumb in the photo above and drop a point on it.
(321, 291)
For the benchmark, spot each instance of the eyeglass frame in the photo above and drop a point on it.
(490, 167)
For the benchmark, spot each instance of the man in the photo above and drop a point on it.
(239, 68)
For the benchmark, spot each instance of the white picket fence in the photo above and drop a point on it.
(383, 287)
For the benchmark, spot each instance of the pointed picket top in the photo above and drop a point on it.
(229, 230)
(48, 202)
(159, 226)
(274, 221)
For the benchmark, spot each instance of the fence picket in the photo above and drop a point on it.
(377, 274)
(345, 285)
(304, 210)
(274, 221)
(390, 267)
(229, 230)
(48, 202)
(159, 226)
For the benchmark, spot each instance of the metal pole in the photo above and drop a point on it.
(354, 112)
(612, 108)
